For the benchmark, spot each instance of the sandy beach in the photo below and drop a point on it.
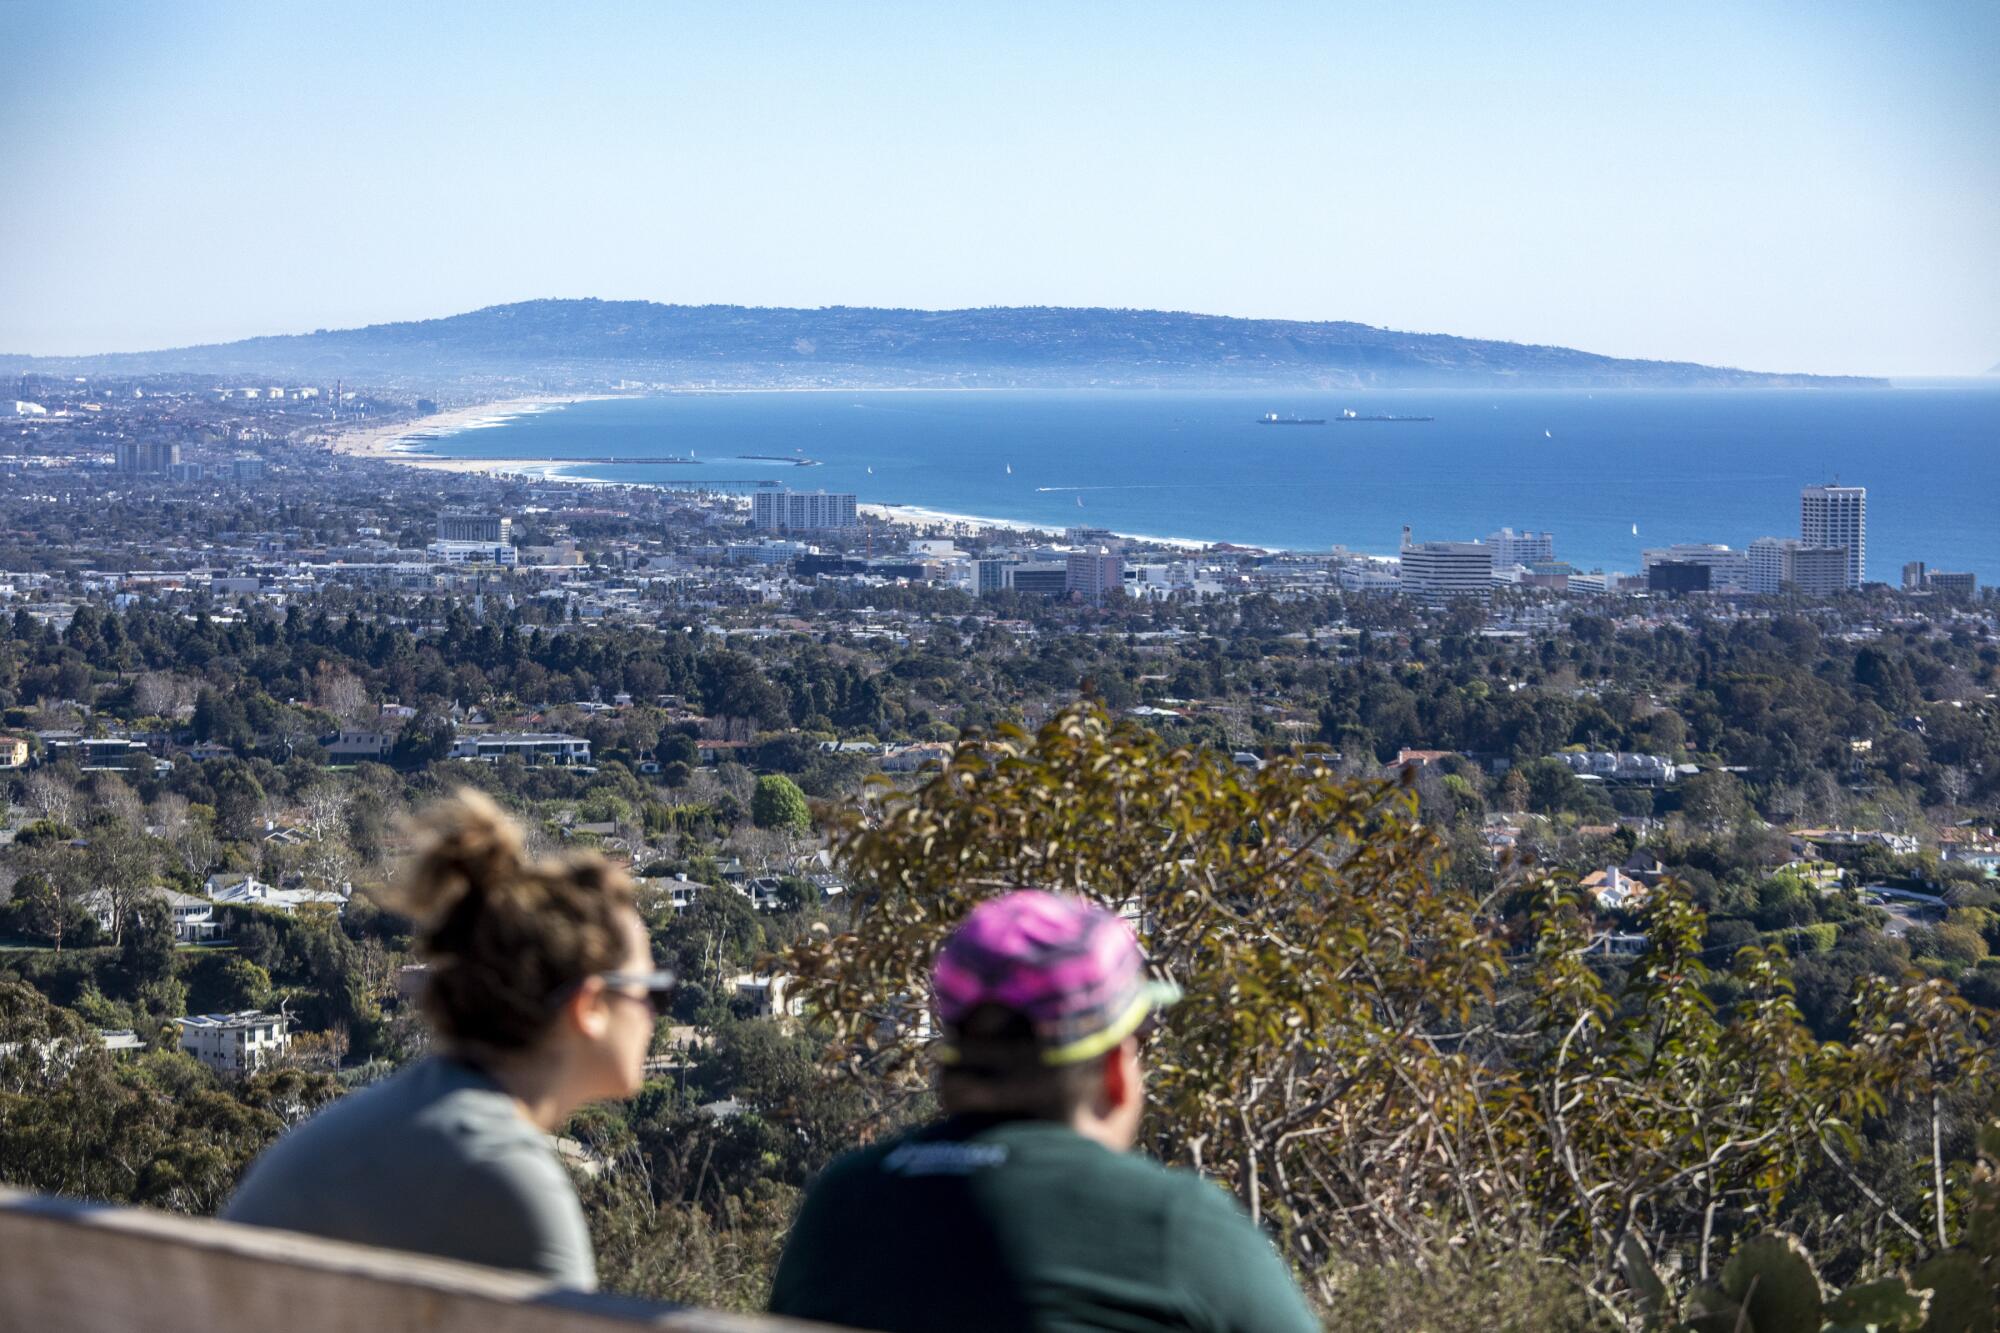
(923, 519)
(392, 443)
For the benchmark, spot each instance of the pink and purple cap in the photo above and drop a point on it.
(1071, 970)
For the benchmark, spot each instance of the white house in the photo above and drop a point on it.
(236, 889)
(1614, 889)
(194, 918)
(533, 747)
(770, 995)
(239, 1043)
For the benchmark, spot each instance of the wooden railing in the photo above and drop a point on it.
(68, 1267)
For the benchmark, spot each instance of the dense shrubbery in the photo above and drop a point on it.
(1384, 1067)
(1399, 1057)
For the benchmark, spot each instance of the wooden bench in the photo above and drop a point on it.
(69, 1267)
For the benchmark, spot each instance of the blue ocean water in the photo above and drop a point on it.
(1682, 466)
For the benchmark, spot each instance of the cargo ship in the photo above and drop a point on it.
(1273, 419)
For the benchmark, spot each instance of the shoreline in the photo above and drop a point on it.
(392, 443)
(921, 516)
(381, 442)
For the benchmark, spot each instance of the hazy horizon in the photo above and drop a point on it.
(1972, 376)
(1768, 187)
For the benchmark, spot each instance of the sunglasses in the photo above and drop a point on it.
(656, 988)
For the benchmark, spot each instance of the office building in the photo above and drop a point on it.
(1787, 564)
(1920, 577)
(1442, 571)
(1837, 516)
(488, 529)
(801, 511)
(473, 553)
(1820, 571)
(1511, 548)
(1093, 573)
(1728, 570)
(990, 575)
(1044, 578)
(152, 458)
(1676, 577)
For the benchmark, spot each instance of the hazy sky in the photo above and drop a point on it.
(1810, 186)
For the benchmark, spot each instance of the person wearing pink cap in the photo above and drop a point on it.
(1025, 1208)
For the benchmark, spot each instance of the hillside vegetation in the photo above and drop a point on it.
(576, 341)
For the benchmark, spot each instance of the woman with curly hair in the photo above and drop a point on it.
(543, 994)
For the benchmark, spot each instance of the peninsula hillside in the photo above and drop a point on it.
(578, 343)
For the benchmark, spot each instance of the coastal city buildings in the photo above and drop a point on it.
(1511, 548)
(1920, 577)
(473, 553)
(1787, 564)
(1443, 571)
(801, 511)
(486, 529)
(1043, 578)
(1677, 577)
(1728, 570)
(1831, 516)
(1092, 573)
(990, 576)
(146, 457)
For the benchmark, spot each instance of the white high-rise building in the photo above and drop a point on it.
(1771, 563)
(1728, 570)
(800, 511)
(1511, 548)
(1837, 516)
(1093, 573)
(1780, 564)
(457, 525)
(1442, 571)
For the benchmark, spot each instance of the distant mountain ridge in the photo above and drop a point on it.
(573, 342)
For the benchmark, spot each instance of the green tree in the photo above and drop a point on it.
(716, 937)
(779, 804)
(1715, 802)
(1367, 1057)
(146, 946)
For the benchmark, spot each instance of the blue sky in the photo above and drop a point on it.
(1809, 186)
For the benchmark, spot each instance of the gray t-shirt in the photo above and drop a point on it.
(437, 1160)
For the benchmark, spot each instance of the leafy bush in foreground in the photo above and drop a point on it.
(1382, 1067)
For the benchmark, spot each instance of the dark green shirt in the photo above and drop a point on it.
(980, 1224)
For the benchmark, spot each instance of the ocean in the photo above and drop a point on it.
(1687, 466)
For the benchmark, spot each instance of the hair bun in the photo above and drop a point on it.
(474, 847)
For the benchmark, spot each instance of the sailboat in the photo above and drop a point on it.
(1548, 435)
(1635, 529)
(1010, 469)
(1079, 502)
